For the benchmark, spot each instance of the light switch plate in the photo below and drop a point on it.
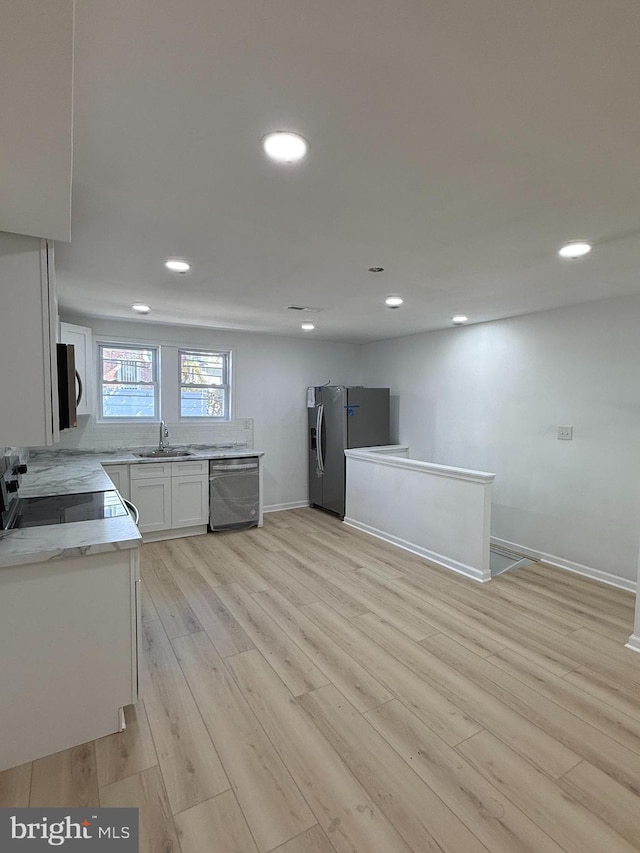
(565, 433)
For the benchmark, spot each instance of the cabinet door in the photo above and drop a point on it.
(119, 476)
(29, 411)
(189, 501)
(152, 497)
(36, 105)
(71, 667)
(80, 337)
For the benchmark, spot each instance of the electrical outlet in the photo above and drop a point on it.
(246, 423)
(565, 433)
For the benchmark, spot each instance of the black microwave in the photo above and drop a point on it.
(67, 396)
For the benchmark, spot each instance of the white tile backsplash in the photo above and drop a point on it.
(89, 435)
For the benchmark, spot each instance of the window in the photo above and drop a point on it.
(128, 382)
(204, 384)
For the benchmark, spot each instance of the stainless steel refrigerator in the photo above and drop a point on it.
(341, 417)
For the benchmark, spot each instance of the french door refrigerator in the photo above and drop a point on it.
(341, 417)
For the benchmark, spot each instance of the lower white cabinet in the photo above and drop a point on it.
(170, 495)
(152, 497)
(119, 476)
(69, 634)
(189, 500)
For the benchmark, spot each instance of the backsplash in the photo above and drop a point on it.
(93, 436)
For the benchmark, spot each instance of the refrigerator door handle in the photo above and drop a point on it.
(319, 425)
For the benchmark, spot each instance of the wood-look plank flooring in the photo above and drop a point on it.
(309, 689)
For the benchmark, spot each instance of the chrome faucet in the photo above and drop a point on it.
(164, 436)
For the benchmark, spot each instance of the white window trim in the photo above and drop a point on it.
(228, 418)
(121, 344)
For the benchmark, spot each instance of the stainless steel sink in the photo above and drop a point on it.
(163, 454)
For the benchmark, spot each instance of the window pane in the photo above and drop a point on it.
(128, 401)
(201, 368)
(202, 402)
(124, 364)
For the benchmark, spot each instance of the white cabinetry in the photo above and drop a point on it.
(28, 321)
(69, 635)
(119, 476)
(172, 497)
(152, 498)
(189, 501)
(36, 105)
(80, 337)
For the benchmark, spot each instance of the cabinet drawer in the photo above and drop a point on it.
(147, 470)
(200, 466)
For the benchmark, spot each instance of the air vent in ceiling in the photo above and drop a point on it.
(306, 308)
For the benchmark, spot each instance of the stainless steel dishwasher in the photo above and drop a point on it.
(234, 492)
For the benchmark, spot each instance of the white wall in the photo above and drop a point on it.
(491, 397)
(270, 378)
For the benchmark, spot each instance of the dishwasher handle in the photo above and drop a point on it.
(246, 467)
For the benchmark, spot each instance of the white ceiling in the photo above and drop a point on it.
(456, 143)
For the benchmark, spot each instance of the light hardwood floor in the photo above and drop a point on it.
(310, 689)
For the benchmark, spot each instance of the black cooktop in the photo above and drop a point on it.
(60, 509)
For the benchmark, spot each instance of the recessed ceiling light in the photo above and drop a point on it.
(393, 301)
(177, 265)
(459, 319)
(376, 269)
(575, 249)
(308, 327)
(284, 146)
(141, 308)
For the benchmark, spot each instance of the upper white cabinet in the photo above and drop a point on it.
(36, 70)
(80, 337)
(28, 325)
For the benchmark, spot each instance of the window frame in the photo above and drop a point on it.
(226, 386)
(156, 383)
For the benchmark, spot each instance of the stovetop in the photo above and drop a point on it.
(61, 509)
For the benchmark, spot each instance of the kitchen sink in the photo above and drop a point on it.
(163, 454)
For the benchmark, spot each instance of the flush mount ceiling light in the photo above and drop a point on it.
(393, 301)
(141, 308)
(284, 146)
(459, 319)
(376, 269)
(308, 327)
(575, 249)
(177, 265)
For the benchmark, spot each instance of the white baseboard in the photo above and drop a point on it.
(633, 643)
(432, 556)
(174, 533)
(281, 507)
(567, 565)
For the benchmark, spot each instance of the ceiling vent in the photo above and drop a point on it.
(306, 308)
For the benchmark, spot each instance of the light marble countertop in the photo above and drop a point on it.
(64, 472)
